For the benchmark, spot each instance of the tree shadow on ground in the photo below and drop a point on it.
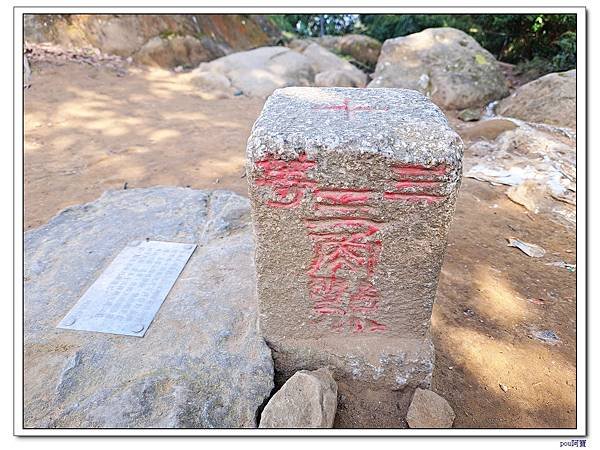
(88, 130)
(484, 319)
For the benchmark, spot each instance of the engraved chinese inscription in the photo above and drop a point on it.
(128, 294)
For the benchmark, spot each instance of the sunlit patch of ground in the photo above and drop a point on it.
(484, 317)
(93, 131)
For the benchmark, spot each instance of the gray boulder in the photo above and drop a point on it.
(175, 51)
(323, 60)
(446, 64)
(362, 48)
(331, 43)
(258, 72)
(306, 400)
(339, 78)
(212, 85)
(428, 410)
(299, 44)
(202, 362)
(550, 99)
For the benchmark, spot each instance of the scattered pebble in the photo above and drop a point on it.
(533, 250)
(537, 301)
(564, 265)
(503, 387)
(548, 336)
(470, 115)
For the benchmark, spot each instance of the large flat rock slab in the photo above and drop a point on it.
(202, 362)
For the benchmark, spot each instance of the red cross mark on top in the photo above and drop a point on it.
(345, 106)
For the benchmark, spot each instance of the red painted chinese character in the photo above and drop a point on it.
(345, 106)
(340, 203)
(288, 179)
(417, 184)
(327, 295)
(344, 196)
(365, 298)
(360, 325)
(344, 245)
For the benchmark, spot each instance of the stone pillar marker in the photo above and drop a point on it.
(352, 192)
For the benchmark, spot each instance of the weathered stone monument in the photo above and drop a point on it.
(352, 193)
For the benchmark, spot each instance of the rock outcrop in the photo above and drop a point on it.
(26, 72)
(323, 60)
(444, 63)
(538, 165)
(211, 36)
(331, 43)
(176, 51)
(551, 99)
(212, 85)
(363, 49)
(259, 72)
(339, 78)
(202, 363)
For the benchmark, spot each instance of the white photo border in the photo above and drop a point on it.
(227, 8)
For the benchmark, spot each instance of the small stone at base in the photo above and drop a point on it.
(429, 410)
(306, 400)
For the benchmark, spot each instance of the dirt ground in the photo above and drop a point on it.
(90, 129)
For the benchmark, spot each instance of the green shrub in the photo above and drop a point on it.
(282, 22)
(512, 38)
(566, 58)
(313, 24)
(167, 34)
(534, 68)
(546, 41)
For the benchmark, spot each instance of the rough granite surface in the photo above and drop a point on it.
(446, 64)
(429, 410)
(307, 400)
(401, 125)
(201, 364)
(551, 99)
(352, 192)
